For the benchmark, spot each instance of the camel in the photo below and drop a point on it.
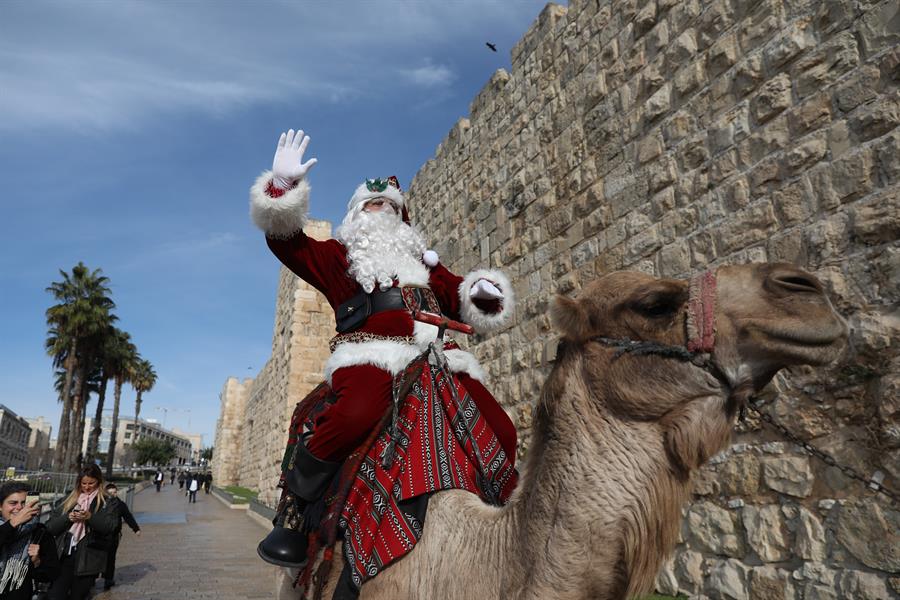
(616, 437)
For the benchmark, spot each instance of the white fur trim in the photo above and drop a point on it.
(384, 354)
(431, 258)
(394, 356)
(484, 322)
(425, 333)
(362, 194)
(279, 217)
(412, 273)
(463, 362)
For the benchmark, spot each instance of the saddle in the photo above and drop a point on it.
(433, 438)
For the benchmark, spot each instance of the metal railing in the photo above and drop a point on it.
(50, 487)
(42, 482)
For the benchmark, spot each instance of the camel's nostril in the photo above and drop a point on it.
(798, 282)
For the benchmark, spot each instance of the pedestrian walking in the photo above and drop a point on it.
(159, 478)
(207, 482)
(123, 514)
(181, 479)
(193, 486)
(83, 527)
(27, 551)
(172, 481)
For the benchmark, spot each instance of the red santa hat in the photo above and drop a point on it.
(379, 188)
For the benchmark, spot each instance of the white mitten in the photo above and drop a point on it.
(485, 290)
(430, 258)
(288, 165)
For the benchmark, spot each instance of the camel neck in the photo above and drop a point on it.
(596, 496)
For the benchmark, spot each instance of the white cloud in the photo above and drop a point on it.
(429, 75)
(100, 66)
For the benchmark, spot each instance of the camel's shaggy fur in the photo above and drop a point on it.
(615, 442)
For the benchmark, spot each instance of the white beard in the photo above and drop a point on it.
(380, 247)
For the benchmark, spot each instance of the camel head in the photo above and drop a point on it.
(746, 321)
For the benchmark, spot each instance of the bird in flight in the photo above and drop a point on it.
(491, 46)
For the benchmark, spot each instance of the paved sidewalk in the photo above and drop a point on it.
(189, 552)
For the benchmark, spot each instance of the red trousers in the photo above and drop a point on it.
(364, 395)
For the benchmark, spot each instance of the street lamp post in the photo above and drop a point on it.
(165, 414)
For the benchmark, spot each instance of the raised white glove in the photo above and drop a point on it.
(288, 165)
(485, 290)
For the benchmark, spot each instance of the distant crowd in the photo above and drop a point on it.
(190, 482)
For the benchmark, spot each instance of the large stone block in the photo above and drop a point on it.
(791, 43)
(878, 27)
(810, 542)
(877, 118)
(766, 532)
(826, 64)
(770, 583)
(789, 475)
(727, 580)
(877, 220)
(740, 475)
(871, 533)
(860, 585)
(712, 529)
(774, 97)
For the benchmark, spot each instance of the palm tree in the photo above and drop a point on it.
(83, 309)
(106, 366)
(123, 356)
(143, 380)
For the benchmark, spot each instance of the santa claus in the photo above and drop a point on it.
(375, 274)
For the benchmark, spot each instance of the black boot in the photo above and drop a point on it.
(306, 479)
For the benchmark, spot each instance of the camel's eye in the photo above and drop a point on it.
(658, 305)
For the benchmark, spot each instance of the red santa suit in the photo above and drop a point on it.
(363, 362)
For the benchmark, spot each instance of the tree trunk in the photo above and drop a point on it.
(137, 413)
(62, 440)
(76, 433)
(97, 429)
(114, 430)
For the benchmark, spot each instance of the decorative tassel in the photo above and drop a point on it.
(321, 576)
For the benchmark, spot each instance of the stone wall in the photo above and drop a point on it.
(304, 322)
(673, 135)
(227, 446)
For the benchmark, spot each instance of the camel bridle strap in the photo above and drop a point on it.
(639, 348)
(700, 323)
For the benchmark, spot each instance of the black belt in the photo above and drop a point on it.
(353, 313)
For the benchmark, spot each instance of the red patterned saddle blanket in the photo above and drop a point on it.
(434, 439)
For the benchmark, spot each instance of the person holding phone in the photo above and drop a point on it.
(83, 527)
(27, 552)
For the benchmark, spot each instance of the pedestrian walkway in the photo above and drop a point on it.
(196, 551)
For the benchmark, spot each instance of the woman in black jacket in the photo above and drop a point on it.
(27, 551)
(83, 528)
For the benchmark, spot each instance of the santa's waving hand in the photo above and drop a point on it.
(288, 166)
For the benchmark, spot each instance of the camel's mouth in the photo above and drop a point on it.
(808, 345)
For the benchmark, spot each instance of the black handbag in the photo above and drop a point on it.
(353, 313)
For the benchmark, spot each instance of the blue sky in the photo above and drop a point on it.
(130, 133)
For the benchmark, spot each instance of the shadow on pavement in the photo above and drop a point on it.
(128, 574)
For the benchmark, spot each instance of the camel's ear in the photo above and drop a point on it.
(569, 318)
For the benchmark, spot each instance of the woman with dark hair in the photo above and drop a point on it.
(83, 528)
(27, 552)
